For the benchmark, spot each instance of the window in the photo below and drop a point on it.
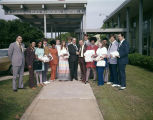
(3, 53)
(146, 36)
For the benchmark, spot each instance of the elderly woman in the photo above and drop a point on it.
(53, 63)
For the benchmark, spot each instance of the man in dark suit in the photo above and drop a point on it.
(73, 59)
(30, 57)
(82, 50)
(122, 60)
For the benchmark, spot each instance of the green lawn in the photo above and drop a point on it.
(134, 103)
(15, 103)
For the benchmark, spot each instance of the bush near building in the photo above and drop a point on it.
(141, 60)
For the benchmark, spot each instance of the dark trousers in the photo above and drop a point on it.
(44, 73)
(100, 75)
(83, 68)
(113, 73)
(122, 74)
(31, 78)
(73, 69)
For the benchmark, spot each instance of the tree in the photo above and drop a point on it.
(10, 29)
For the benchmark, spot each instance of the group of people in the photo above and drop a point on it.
(96, 59)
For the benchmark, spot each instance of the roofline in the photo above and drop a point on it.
(43, 2)
(117, 10)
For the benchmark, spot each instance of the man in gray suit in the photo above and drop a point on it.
(16, 55)
(113, 62)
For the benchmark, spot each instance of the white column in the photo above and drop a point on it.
(45, 30)
(51, 31)
(82, 30)
(118, 20)
(55, 33)
(140, 25)
(127, 24)
(85, 23)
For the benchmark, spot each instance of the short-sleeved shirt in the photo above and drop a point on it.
(39, 52)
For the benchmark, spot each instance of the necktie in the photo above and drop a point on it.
(80, 51)
(20, 47)
(110, 46)
(120, 44)
(82, 47)
(76, 47)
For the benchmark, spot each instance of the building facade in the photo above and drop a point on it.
(137, 17)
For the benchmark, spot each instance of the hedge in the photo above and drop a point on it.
(141, 60)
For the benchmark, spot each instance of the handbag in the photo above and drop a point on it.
(37, 65)
(101, 63)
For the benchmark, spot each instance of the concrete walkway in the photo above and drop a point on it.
(7, 77)
(64, 101)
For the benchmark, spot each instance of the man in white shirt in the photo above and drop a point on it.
(82, 50)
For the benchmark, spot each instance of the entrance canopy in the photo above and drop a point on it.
(48, 15)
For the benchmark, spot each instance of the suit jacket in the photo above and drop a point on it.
(30, 56)
(15, 54)
(123, 50)
(72, 51)
(84, 49)
(112, 48)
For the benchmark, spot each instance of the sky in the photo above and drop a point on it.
(97, 10)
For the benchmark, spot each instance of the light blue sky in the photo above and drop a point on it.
(97, 10)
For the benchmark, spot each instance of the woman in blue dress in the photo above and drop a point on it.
(39, 52)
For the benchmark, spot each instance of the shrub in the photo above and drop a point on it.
(141, 60)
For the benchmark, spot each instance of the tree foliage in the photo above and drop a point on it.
(10, 29)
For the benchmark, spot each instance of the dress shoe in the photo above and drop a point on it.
(86, 82)
(46, 83)
(38, 85)
(22, 88)
(114, 85)
(122, 88)
(15, 90)
(109, 83)
(33, 88)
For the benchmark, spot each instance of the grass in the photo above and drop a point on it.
(134, 103)
(15, 103)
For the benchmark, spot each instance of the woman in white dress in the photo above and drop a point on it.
(63, 70)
